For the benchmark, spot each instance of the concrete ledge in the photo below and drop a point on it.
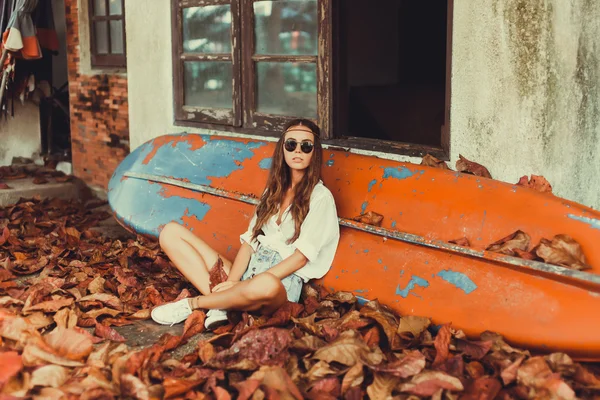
(27, 189)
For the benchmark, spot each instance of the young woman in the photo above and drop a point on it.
(292, 238)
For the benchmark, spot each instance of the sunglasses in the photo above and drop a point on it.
(291, 144)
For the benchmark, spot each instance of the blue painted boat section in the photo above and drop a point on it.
(459, 280)
(217, 158)
(594, 223)
(414, 282)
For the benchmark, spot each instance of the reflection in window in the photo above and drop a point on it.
(208, 84)
(207, 29)
(287, 89)
(286, 27)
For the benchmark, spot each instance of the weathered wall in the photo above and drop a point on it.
(98, 102)
(20, 135)
(526, 91)
(525, 97)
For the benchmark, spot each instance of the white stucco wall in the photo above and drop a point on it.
(20, 135)
(525, 88)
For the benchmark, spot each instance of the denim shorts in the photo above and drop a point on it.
(264, 259)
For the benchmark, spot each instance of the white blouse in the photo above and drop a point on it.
(319, 234)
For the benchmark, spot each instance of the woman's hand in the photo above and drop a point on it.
(224, 286)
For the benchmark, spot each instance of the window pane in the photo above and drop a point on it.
(207, 29)
(287, 89)
(208, 84)
(286, 27)
(99, 7)
(101, 37)
(116, 37)
(115, 7)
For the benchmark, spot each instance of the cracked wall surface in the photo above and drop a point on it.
(526, 91)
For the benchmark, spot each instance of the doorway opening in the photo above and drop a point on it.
(392, 70)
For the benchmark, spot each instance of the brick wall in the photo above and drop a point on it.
(99, 113)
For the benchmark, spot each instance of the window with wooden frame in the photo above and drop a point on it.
(251, 65)
(107, 33)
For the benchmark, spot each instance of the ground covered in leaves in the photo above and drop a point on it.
(63, 289)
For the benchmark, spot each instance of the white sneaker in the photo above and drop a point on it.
(172, 313)
(215, 318)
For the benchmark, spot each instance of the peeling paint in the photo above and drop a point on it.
(397, 173)
(414, 281)
(459, 280)
(363, 208)
(266, 163)
(330, 163)
(371, 184)
(594, 223)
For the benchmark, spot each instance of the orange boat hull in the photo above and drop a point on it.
(208, 183)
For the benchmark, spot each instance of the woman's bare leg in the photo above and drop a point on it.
(191, 255)
(264, 293)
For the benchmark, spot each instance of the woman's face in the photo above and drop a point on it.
(293, 154)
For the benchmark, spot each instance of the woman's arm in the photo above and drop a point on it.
(242, 259)
(290, 265)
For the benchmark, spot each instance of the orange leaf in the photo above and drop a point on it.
(10, 365)
(470, 167)
(69, 343)
(106, 332)
(431, 161)
(194, 324)
(369, 218)
(441, 343)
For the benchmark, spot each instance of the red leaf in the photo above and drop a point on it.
(463, 241)
(484, 388)
(474, 349)
(4, 236)
(284, 314)
(431, 161)
(106, 332)
(217, 274)
(39, 180)
(411, 364)
(536, 182)
(4, 186)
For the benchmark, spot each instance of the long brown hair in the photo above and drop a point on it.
(280, 180)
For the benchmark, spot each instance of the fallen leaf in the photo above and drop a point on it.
(409, 364)
(5, 234)
(463, 241)
(476, 350)
(278, 382)
(4, 186)
(431, 161)
(49, 376)
(217, 274)
(246, 388)
(483, 388)
(382, 386)
(194, 324)
(109, 300)
(470, 167)
(257, 347)
(69, 343)
(106, 332)
(428, 383)
(413, 324)
(34, 355)
(348, 349)
(384, 317)
(10, 365)
(96, 285)
(507, 245)
(442, 343)
(536, 182)
(133, 387)
(369, 218)
(563, 250)
(38, 180)
(353, 378)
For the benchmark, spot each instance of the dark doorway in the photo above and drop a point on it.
(392, 70)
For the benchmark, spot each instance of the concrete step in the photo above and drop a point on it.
(27, 189)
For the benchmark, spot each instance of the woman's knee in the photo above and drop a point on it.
(169, 234)
(264, 286)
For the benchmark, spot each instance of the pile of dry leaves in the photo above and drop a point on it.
(56, 339)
